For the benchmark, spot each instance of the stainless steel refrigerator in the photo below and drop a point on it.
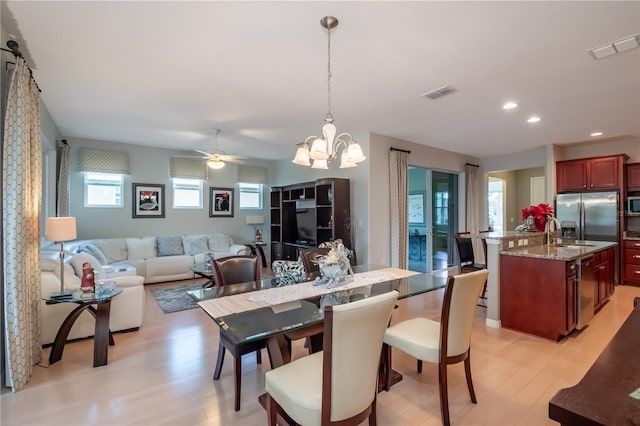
(590, 216)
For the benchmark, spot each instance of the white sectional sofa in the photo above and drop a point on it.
(158, 259)
(131, 262)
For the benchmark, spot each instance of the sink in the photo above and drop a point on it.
(572, 246)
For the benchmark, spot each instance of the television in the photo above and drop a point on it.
(306, 222)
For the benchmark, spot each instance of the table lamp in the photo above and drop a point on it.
(59, 230)
(256, 220)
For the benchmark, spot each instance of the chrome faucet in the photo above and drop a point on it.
(554, 223)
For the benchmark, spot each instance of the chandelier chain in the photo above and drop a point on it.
(329, 70)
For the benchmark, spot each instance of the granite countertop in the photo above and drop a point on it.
(562, 251)
(508, 234)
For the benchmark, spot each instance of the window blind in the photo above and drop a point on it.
(187, 168)
(95, 160)
(252, 174)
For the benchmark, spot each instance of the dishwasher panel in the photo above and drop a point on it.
(587, 284)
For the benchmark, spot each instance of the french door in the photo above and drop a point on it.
(432, 218)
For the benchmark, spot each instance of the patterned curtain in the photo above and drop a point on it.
(399, 216)
(63, 188)
(21, 203)
(472, 201)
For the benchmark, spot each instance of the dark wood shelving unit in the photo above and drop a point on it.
(325, 202)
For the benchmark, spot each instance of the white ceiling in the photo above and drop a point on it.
(165, 73)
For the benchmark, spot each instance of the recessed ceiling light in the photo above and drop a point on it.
(533, 119)
(509, 105)
(596, 134)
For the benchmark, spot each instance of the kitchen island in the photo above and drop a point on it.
(496, 243)
(550, 290)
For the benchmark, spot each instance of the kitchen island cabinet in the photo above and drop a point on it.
(540, 288)
(538, 296)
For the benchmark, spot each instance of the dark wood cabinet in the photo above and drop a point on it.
(307, 214)
(538, 296)
(604, 270)
(590, 174)
(631, 262)
(633, 177)
(571, 175)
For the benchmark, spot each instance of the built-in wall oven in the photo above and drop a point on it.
(586, 291)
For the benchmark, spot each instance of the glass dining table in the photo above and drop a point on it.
(255, 317)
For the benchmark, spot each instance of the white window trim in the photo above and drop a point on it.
(260, 193)
(103, 206)
(201, 196)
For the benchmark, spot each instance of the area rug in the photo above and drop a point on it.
(174, 299)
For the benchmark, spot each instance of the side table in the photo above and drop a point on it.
(102, 338)
(257, 245)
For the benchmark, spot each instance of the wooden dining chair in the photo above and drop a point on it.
(466, 257)
(443, 343)
(309, 256)
(233, 270)
(339, 384)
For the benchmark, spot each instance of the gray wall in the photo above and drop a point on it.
(151, 165)
(379, 202)
(629, 146)
(287, 173)
(517, 193)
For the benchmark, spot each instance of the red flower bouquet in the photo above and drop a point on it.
(540, 213)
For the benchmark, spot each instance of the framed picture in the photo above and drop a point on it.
(416, 208)
(148, 200)
(220, 202)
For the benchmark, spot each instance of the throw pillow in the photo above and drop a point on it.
(48, 264)
(141, 248)
(194, 244)
(170, 246)
(219, 243)
(94, 251)
(80, 258)
(115, 249)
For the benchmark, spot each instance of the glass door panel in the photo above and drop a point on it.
(432, 215)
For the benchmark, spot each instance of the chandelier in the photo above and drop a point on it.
(324, 149)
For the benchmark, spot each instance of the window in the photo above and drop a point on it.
(442, 208)
(250, 195)
(103, 189)
(495, 204)
(187, 193)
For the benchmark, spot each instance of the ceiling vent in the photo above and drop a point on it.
(617, 46)
(440, 92)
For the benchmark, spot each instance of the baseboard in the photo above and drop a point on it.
(493, 323)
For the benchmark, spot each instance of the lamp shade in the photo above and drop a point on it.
(254, 219)
(61, 228)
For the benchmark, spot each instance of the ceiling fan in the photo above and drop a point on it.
(216, 159)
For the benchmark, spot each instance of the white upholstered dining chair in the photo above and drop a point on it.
(339, 384)
(446, 342)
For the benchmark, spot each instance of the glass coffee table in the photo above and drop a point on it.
(205, 271)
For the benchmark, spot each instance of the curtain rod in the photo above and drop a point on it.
(15, 51)
(472, 165)
(398, 149)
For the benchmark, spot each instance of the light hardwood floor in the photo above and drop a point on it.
(162, 375)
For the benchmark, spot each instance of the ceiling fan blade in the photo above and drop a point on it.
(193, 157)
(227, 157)
(203, 153)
